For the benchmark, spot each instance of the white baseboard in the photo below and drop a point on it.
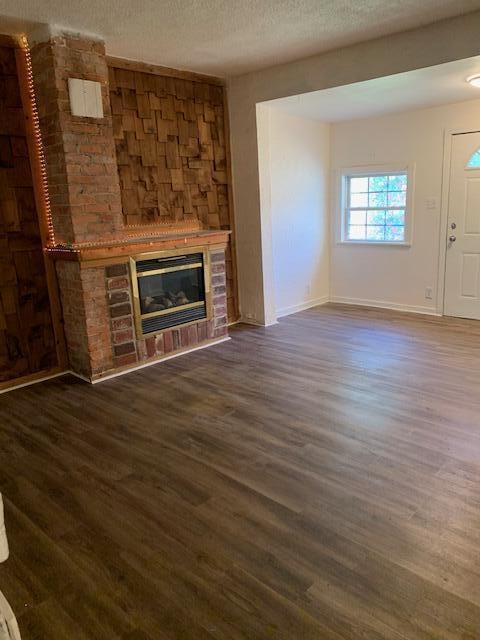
(286, 311)
(115, 374)
(160, 360)
(385, 304)
(79, 376)
(30, 382)
(255, 323)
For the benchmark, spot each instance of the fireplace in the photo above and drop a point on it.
(127, 321)
(170, 290)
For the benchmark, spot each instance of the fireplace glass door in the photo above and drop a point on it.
(171, 291)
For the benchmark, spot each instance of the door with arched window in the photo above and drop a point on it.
(462, 276)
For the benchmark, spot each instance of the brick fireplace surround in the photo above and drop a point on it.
(92, 245)
(98, 312)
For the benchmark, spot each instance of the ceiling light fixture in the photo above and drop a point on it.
(474, 80)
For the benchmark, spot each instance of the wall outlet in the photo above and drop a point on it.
(429, 293)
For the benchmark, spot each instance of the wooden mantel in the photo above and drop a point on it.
(118, 251)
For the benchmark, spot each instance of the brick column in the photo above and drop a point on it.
(80, 152)
(219, 292)
(86, 319)
(84, 189)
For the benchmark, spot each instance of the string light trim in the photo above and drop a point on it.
(147, 233)
(114, 242)
(37, 137)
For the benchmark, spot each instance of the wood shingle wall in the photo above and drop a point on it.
(27, 342)
(172, 152)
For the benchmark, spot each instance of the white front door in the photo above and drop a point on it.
(462, 277)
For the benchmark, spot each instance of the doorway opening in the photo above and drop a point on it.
(312, 145)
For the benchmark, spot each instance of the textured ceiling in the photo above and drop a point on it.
(228, 37)
(442, 84)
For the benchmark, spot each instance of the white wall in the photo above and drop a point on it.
(397, 276)
(427, 46)
(297, 191)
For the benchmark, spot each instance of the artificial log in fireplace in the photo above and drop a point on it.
(170, 290)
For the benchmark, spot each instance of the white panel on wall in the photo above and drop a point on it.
(472, 207)
(85, 98)
(470, 274)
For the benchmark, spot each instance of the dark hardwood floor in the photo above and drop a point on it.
(319, 479)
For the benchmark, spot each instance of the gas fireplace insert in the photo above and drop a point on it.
(170, 289)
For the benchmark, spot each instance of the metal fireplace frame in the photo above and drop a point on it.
(138, 316)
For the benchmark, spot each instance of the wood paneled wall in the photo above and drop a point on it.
(172, 147)
(27, 342)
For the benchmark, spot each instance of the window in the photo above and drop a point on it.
(474, 162)
(375, 207)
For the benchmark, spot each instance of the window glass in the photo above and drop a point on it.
(376, 207)
(474, 161)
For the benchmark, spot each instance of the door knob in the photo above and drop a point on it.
(453, 225)
(452, 238)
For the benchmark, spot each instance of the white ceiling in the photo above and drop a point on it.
(228, 37)
(442, 84)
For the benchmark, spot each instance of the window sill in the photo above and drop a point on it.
(366, 243)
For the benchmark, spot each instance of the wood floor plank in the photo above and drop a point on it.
(318, 479)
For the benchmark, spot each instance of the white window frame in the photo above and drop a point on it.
(342, 199)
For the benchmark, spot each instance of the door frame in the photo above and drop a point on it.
(445, 198)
